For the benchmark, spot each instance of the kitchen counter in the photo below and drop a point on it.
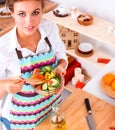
(6, 24)
(75, 111)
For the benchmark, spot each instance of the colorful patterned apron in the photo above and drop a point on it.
(28, 108)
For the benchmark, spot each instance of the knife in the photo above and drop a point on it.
(89, 117)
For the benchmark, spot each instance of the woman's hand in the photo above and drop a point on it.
(61, 67)
(13, 85)
(60, 70)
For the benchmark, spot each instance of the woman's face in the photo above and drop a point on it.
(27, 16)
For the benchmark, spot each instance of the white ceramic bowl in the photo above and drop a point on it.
(85, 48)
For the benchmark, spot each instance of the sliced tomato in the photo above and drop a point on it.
(39, 87)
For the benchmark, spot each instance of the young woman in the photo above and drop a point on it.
(34, 42)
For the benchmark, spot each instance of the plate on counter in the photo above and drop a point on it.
(106, 85)
(4, 13)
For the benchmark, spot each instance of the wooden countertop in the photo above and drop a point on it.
(6, 24)
(75, 111)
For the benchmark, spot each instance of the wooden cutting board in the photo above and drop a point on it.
(75, 111)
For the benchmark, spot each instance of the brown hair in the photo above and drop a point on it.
(9, 3)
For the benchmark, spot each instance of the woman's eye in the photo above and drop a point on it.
(21, 14)
(36, 12)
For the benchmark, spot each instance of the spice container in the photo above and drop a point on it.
(57, 119)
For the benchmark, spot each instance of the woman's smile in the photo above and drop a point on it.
(29, 28)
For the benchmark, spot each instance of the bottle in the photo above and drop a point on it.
(57, 119)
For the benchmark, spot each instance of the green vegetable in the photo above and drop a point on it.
(47, 68)
(55, 82)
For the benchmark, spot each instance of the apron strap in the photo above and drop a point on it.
(19, 53)
(47, 40)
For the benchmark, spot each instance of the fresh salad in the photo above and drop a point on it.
(50, 77)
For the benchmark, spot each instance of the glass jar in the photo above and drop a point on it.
(57, 119)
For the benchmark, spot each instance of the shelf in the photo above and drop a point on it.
(97, 30)
(92, 59)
